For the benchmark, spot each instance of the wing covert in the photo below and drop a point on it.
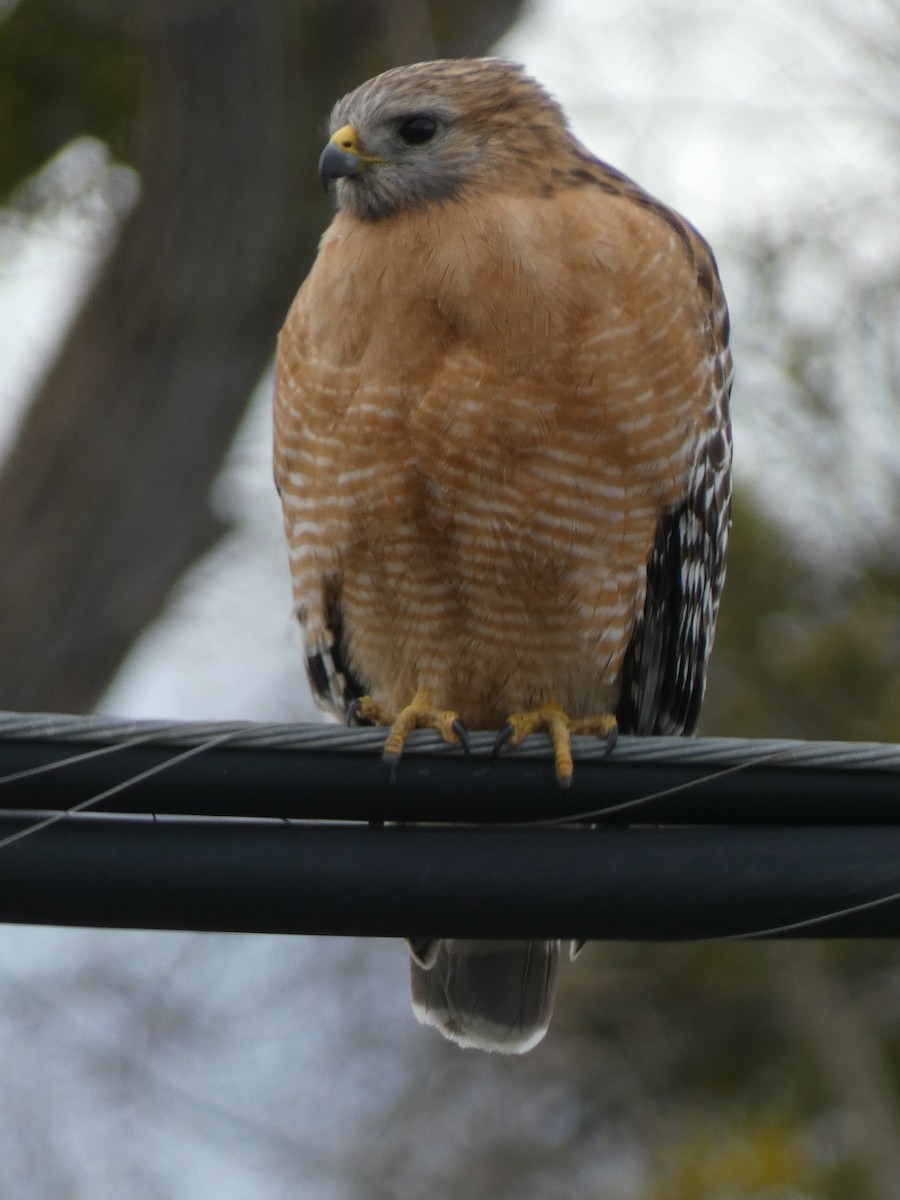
(664, 674)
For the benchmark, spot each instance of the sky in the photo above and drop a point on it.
(745, 118)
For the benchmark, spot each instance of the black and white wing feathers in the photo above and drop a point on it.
(664, 675)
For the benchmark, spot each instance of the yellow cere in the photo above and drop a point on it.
(346, 138)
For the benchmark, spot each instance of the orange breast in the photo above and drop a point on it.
(474, 446)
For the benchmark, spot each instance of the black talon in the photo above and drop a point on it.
(502, 738)
(611, 738)
(462, 734)
(352, 709)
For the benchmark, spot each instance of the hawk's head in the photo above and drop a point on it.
(431, 131)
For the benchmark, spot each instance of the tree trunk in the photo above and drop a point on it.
(104, 498)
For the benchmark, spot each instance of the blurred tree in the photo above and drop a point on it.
(65, 69)
(803, 650)
(105, 494)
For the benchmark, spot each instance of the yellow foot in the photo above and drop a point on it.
(420, 714)
(560, 727)
(365, 711)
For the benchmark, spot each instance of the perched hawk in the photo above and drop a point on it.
(503, 450)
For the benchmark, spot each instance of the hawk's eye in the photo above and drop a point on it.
(415, 131)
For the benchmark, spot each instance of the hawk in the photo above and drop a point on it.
(503, 451)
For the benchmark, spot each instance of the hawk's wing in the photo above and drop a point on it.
(333, 683)
(317, 586)
(664, 674)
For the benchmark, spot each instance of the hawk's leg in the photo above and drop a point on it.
(422, 713)
(560, 727)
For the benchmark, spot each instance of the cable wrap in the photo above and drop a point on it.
(248, 827)
(712, 752)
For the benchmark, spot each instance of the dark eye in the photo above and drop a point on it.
(415, 131)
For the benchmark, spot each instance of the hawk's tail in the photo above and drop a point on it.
(485, 995)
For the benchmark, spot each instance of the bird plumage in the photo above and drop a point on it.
(501, 423)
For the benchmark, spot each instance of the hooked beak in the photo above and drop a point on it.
(342, 157)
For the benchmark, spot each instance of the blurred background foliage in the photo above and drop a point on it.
(724, 1072)
(66, 71)
(804, 651)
